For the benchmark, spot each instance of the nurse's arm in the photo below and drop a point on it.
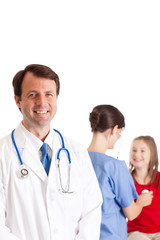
(4, 230)
(135, 208)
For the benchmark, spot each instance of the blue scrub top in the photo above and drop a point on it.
(118, 191)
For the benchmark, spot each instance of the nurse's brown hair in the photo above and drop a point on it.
(104, 117)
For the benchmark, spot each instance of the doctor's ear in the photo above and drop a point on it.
(17, 100)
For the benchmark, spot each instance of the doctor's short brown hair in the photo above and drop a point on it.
(38, 70)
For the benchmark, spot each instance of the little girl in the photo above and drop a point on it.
(144, 169)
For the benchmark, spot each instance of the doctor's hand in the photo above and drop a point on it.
(145, 199)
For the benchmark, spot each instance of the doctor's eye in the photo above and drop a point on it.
(50, 94)
(32, 94)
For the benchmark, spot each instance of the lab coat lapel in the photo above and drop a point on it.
(28, 154)
(32, 161)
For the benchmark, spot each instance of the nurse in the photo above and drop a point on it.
(42, 197)
(115, 181)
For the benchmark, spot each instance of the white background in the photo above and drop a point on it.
(105, 52)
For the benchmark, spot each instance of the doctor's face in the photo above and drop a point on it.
(38, 102)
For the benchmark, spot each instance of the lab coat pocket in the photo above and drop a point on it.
(73, 205)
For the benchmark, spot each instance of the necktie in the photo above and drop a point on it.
(46, 160)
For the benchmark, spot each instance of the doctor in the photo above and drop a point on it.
(44, 196)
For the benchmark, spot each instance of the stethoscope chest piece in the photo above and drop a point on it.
(23, 172)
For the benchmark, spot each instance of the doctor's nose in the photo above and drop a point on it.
(41, 100)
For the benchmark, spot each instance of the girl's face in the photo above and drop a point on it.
(140, 154)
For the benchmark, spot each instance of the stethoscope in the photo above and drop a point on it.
(24, 171)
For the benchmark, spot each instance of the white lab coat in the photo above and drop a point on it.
(33, 208)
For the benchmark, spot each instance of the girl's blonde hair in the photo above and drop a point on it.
(153, 164)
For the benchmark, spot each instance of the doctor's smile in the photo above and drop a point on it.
(41, 112)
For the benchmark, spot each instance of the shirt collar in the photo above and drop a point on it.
(36, 142)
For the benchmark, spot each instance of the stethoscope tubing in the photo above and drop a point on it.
(58, 154)
(16, 148)
(62, 148)
(24, 171)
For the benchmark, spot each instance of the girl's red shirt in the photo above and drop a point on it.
(149, 219)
